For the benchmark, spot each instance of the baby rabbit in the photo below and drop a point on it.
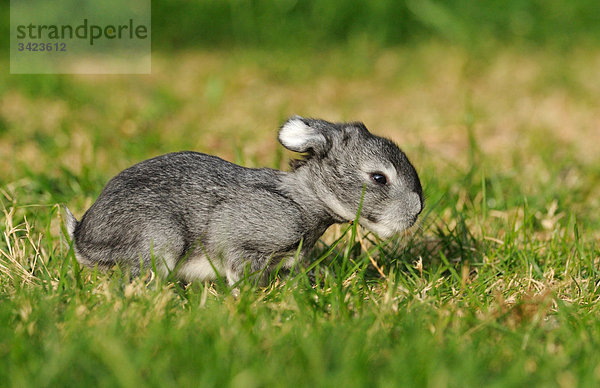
(194, 214)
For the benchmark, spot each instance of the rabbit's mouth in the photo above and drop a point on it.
(381, 229)
(387, 225)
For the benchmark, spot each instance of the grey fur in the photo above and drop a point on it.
(196, 213)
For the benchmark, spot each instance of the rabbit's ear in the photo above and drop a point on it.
(303, 135)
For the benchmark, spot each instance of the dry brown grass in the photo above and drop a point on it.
(424, 98)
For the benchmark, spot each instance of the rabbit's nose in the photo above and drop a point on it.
(415, 204)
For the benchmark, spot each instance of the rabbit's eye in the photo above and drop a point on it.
(378, 178)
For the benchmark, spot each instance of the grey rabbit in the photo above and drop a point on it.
(194, 214)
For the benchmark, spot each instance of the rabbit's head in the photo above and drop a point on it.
(343, 160)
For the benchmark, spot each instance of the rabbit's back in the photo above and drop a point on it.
(176, 172)
(180, 182)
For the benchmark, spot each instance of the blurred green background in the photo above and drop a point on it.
(312, 23)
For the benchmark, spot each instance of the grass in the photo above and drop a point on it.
(498, 287)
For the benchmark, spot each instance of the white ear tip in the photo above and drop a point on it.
(294, 133)
(295, 124)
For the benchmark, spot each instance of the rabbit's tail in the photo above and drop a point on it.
(71, 223)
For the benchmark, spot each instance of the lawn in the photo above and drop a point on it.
(497, 286)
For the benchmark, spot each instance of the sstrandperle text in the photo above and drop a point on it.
(85, 30)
